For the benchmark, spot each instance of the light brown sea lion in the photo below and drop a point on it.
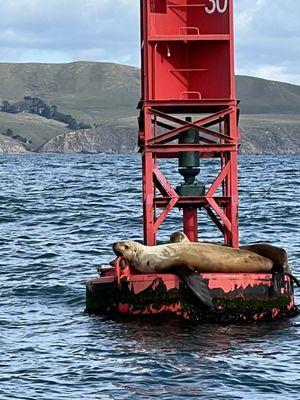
(195, 256)
(277, 255)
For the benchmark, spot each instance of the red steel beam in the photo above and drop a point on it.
(175, 149)
(220, 212)
(190, 223)
(165, 213)
(163, 184)
(197, 125)
(215, 220)
(198, 202)
(219, 180)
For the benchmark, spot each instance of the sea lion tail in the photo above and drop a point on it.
(195, 282)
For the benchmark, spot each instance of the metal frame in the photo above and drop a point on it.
(160, 127)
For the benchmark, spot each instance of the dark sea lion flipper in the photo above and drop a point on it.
(195, 282)
(294, 279)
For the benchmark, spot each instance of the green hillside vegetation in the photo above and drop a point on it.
(36, 129)
(90, 92)
(260, 96)
(106, 94)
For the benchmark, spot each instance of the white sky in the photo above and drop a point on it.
(267, 34)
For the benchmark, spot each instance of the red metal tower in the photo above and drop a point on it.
(188, 85)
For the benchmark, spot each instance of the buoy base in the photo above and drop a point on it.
(236, 297)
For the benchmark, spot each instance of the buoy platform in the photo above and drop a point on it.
(237, 298)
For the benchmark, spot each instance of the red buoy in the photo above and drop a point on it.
(189, 111)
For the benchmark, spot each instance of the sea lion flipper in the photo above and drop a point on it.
(294, 279)
(197, 285)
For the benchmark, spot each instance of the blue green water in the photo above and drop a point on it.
(58, 218)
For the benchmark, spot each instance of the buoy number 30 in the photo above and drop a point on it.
(216, 6)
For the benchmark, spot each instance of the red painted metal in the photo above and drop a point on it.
(237, 297)
(188, 70)
(190, 223)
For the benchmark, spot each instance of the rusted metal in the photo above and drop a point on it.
(237, 298)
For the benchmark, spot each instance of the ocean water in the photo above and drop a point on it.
(58, 218)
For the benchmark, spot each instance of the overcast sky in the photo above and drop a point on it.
(267, 34)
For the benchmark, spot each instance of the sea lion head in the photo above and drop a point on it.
(127, 249)
(178, 237)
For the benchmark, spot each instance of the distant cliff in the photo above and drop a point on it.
(9, 145)
(259, 135)
(270, 134)
(104, 139)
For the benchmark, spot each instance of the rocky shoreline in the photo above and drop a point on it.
(105, 139)
(9, 145)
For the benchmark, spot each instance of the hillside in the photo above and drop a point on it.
(89, 91)
(36, 129)
(260, 96)
(106, 94)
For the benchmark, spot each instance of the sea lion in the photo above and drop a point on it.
(277, 255)
(195, 256)
(194, 281)
(179, 237)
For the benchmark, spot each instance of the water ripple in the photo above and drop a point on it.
(58, 217)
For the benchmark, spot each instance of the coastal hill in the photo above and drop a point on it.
(103, 97)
